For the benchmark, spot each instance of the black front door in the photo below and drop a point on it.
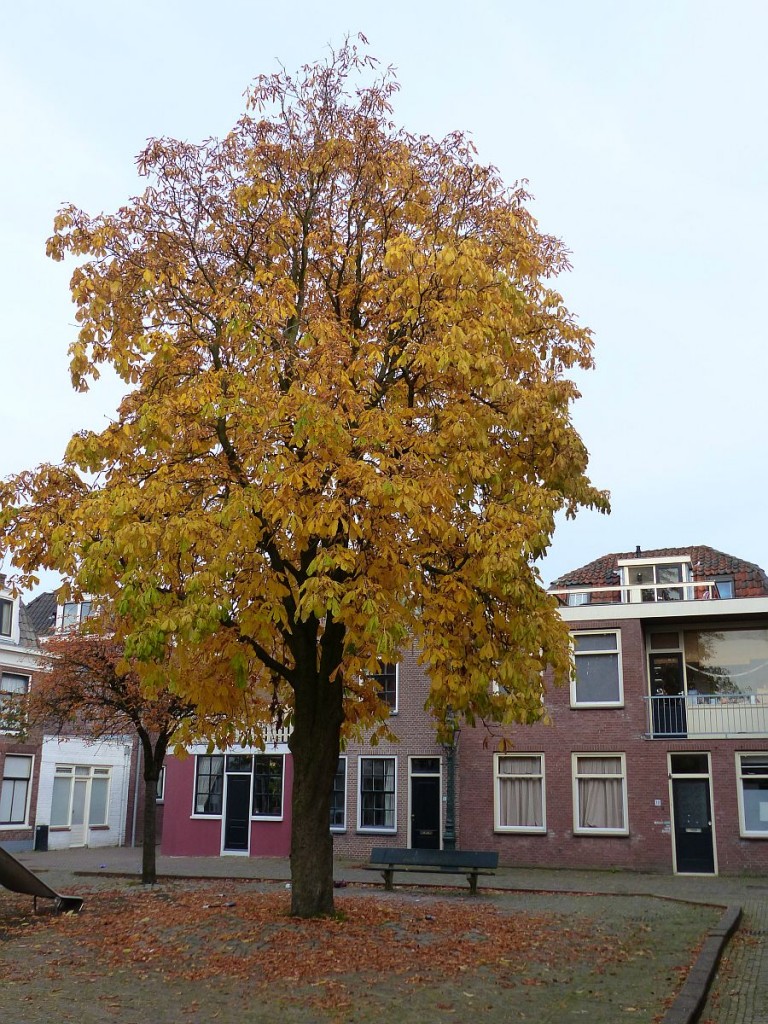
(692, 819)
(237, 812)
(425, 812)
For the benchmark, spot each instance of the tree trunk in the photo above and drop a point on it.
(154, 758)
(148, 851)
(314, 744)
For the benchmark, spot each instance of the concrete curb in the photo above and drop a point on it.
(686, 1009)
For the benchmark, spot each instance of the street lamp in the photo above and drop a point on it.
(449, 746)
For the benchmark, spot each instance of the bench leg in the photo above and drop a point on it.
(472, 879)
(387, 874)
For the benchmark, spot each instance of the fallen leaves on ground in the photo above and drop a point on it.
(189, 933)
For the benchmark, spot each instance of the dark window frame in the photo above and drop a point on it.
(268, 786)
(339, 797)
(213, 795)
(378, 797)
(388, 679)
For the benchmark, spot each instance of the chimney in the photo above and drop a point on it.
(637, 551)
(2, 581)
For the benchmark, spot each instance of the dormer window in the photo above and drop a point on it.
(74, 613)
(656, 579)
(6, 617)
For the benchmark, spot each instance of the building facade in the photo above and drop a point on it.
(656, 758)
(19, 750)
(238, 801)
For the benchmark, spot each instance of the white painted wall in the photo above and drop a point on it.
(115, 753)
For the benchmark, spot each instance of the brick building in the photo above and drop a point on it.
(19, 752)
(238, 801)
(657, 755)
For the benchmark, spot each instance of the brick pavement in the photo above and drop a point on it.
(739, 994)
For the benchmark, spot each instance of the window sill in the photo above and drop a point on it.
(602, 833)
(376, 831)
(14, 826)
(503, 830)
(583, 706)
(99, 828)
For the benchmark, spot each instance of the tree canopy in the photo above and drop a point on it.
(347, 419)
(86, 687)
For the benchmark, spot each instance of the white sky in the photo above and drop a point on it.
(642, 131)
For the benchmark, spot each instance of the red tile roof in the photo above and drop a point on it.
(749, 580)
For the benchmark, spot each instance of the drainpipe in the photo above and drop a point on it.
(136, 794)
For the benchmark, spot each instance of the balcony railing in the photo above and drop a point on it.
(718, 716)
(637, 593)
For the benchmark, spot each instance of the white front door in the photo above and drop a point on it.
(80, 801)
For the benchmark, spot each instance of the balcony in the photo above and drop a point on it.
(638, 593)
(714, 716)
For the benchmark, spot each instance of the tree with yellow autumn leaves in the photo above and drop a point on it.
(347, 422)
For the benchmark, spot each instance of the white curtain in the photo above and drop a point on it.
(601, 800)
(520, 792)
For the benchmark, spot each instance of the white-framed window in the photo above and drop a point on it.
(13, 689)
(339, 797)
(387, 678)
(161, 786)
(378, 794)
(6, 617)
(519, 799)
(74, 613)
(600, 794)
(209, 784)
(80, 795)
(268, 785)
(15, 788)
(752, 775)
(597, 680)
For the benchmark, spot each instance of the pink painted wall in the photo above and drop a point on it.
(185, 836)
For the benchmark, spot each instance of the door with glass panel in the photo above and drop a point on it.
(80, 800)
(237, 803)
(692, 814)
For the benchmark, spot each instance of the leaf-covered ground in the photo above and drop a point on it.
(217, 952)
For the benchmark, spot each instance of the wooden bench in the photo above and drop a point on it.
(388, 859)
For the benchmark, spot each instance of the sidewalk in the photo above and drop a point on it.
(740, 992)
(127, 861)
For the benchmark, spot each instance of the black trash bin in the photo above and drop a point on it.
(41, 837)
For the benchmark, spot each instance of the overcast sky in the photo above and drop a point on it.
(642, 131)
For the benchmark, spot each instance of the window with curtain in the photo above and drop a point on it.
(753, 794)
(6, 617)
(94, 793)
(14, 789)
(600, 793)
(13, 690)
(519, 792)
